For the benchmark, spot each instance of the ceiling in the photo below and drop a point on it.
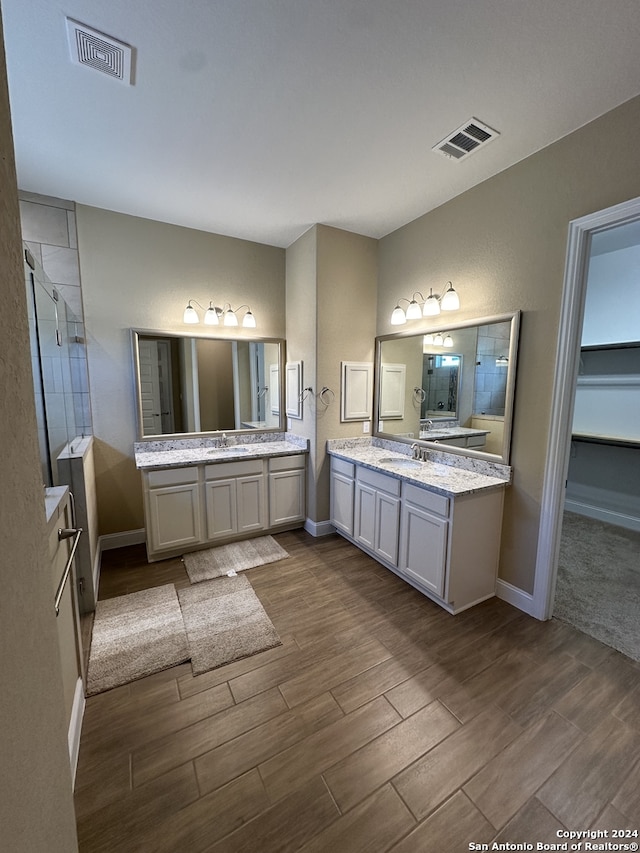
(258, 118)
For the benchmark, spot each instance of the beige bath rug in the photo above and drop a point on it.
(135, 635)
(225, 621)
(236, 557)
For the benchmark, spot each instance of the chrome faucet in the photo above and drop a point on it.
(428, 423)
(420, 453)
(224, 441)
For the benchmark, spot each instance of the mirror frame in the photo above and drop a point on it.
(512, 317)
(135, 335)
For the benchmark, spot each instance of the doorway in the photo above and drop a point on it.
(582, 232)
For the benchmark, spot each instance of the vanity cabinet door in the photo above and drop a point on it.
(376, 525)
(222, 515)
(250, 503)
(286, 497)
(342, 495)
(174, 516)
(423, 549)
(387, 527)
(364, 528)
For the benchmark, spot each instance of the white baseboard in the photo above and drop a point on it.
(319, 528)
(620, 519)
(75, 729)
(120, 540)
(516, 596)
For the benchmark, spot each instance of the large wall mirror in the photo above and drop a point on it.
(454, 386)
(194, 385)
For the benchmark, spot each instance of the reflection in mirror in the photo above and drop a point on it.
(460, 394)
(195, 385)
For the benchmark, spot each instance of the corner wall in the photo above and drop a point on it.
(36, 804)
(503, 245)
(331, 313)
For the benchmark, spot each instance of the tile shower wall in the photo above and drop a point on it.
(49, 230)
(491, 370)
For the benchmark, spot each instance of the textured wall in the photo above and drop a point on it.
(139, 273)
(36, 806)
(503, 245)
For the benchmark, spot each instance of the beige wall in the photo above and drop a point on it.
(503, 245)
(331, 309)
(139, 273)
(36, 806)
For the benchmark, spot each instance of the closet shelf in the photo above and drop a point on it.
(611, 440)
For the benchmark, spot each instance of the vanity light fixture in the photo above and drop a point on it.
(431, 306)
(502, 361)
(448, 341)
(213, 314)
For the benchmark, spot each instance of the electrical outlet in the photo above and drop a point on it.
(365, 426)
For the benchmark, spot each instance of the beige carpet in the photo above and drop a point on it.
(135, 635)
(236, 557)
(225, 621)
(598, 586)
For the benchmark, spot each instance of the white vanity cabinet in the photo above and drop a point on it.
(377, 513)
(445, 546)
(172, 509)
(235, 498)
(287, 487)
(206, 504)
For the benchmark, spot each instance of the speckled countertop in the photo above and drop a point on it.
(181, 452)
(444, 473)
(434, 433)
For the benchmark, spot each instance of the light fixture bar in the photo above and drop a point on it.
(431, 306)
(213, 315)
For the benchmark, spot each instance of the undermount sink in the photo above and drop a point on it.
(232, 448)
(401, 462)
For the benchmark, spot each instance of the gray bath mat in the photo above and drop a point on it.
(236, 557)
(135, 635)
(225, 621)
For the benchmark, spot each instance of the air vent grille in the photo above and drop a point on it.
(99, 51)
(468, 138)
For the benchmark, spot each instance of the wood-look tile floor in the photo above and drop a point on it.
(382, 723)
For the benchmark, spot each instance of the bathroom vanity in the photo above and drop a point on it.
(198, 494)
(436, 524)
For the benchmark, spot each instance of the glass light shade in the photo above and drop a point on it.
(190, 315)
(211, 316)
(414, 312)
(450, 300)
(437, 341)
(448, 341)
(249, 321)
(230, 318)
(398, 317)
(428, 340)
(431, 306)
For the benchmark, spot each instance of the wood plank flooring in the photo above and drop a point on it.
(382, 723)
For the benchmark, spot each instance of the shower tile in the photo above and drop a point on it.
(44, 224)
(61, 264)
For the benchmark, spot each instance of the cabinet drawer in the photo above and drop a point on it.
(476, 440)
(172, 477)
(287, 463)
(341, 466)
(384, 482)
(241, 468)
(425, 499)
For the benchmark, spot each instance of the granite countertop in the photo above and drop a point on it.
(435, 433)
(443, 473)
(208, 452)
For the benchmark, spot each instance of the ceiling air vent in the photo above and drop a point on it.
(99, 51)
(465, 140)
